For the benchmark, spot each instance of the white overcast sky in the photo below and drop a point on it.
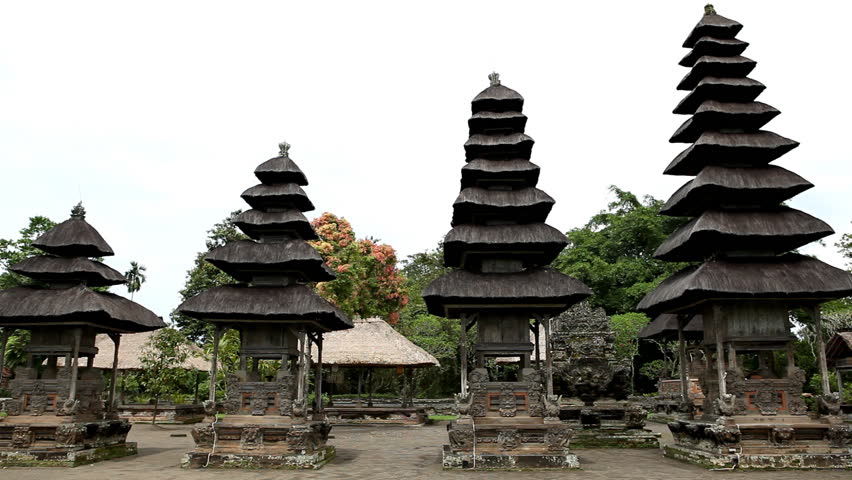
(156, 113)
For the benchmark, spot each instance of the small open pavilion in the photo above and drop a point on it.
(374, 343)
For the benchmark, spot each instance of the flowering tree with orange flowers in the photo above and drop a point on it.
(368, 282)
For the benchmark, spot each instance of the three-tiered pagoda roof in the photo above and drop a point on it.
(65, 276)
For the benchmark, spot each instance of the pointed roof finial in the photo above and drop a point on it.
(709, 10)
(78, 211)
(495, 78)
(284, 149)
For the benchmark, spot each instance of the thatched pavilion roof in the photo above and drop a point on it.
(839, 347)
(372, 343)
(130, 352)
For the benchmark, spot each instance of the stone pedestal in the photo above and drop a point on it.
(47, 441)
(245, 441)
(375, 415)
(763, 442)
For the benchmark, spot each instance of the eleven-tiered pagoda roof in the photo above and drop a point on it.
(741, 232)
(66, 276)
(276, 265)
(498, 218)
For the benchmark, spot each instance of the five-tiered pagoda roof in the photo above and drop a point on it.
(276, 265)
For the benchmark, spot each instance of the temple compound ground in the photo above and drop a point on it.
(380, 453)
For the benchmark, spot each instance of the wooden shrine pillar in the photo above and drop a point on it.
(463, 352)
(4, 339)
(116, 340)
(536, 333)
(823, 364)
(75, 354)
(214, 363)
(318, 399)
(548, 355)
(681, 351)
(720, 350)
(838, 376)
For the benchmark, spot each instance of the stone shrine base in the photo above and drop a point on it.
(199, 459)
(507, 461)
(60, 457)
(601, 438)
(763, 461)
(375, 416)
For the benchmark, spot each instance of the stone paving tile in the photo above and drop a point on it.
(389, 453)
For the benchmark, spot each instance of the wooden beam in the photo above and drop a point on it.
(75, 353)
(720, 350)
(214, 363)
(536, 333)
(681, 351)
(549, 355)
(463, 353)
(318, 400)
(116, 340)
(823, 364)
(4, 339)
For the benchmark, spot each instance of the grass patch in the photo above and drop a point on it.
(438, 418)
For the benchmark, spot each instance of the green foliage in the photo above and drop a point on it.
(13, 251)
(613, 252)
(845, 247)
(203, 276)
(135, 277)
(162, 359)
(626, 327)
(368, 283)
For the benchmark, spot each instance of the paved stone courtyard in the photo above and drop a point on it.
(387, 453)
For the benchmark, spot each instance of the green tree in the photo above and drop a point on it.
(203, 276)
(135, 277)
(13, 251)
(845, 247)
(626, 327)
(613, 252)
(162, 359)
(368, 283)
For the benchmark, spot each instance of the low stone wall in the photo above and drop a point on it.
(166, 413)
(432, 406)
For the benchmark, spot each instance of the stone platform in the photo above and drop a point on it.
(296, 461)
(834, 461)
(166, 413)
(517, 460)
(65, 457)
(375, 415)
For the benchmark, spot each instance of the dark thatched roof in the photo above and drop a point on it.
(664, 328)
(715, 187)
(491, 123)
(777, 231)
(714, 115)
(498, 147)
(28, 306)
(791, 277)
(481, 173)
(720, 89)
(73, 238)
(731, 150)
(50, 269)
(474, 205)
(497, 98)
(714, 47)
(280, 170)
(240, 303)
(839, 347)
(708, 66)
(534, 243)
(712, 25)
(538, 290)
(255, 223)
(244, 259)
(278, 196)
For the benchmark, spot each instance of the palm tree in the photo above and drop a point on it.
(135, 278)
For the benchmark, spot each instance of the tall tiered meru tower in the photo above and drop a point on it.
(277, 315)
(747, 282)
(501, 247)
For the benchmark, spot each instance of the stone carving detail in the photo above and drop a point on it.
(768, 402)
(258, 403)
(461, 438)
(210, 409)
(840, 436)
(203, 435)
(508, 439)
(551, 406)
(11, 407)
(557, 438)
(726, 405)
(69, 407)
(303, 438)
(463, 403)
(22, 437)
(722, 434)
(69, 434)
(37, 402)
(251, 438)
(634, 416)
(477, 375)
(508, 403)
(782, 435)
(830, 403)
